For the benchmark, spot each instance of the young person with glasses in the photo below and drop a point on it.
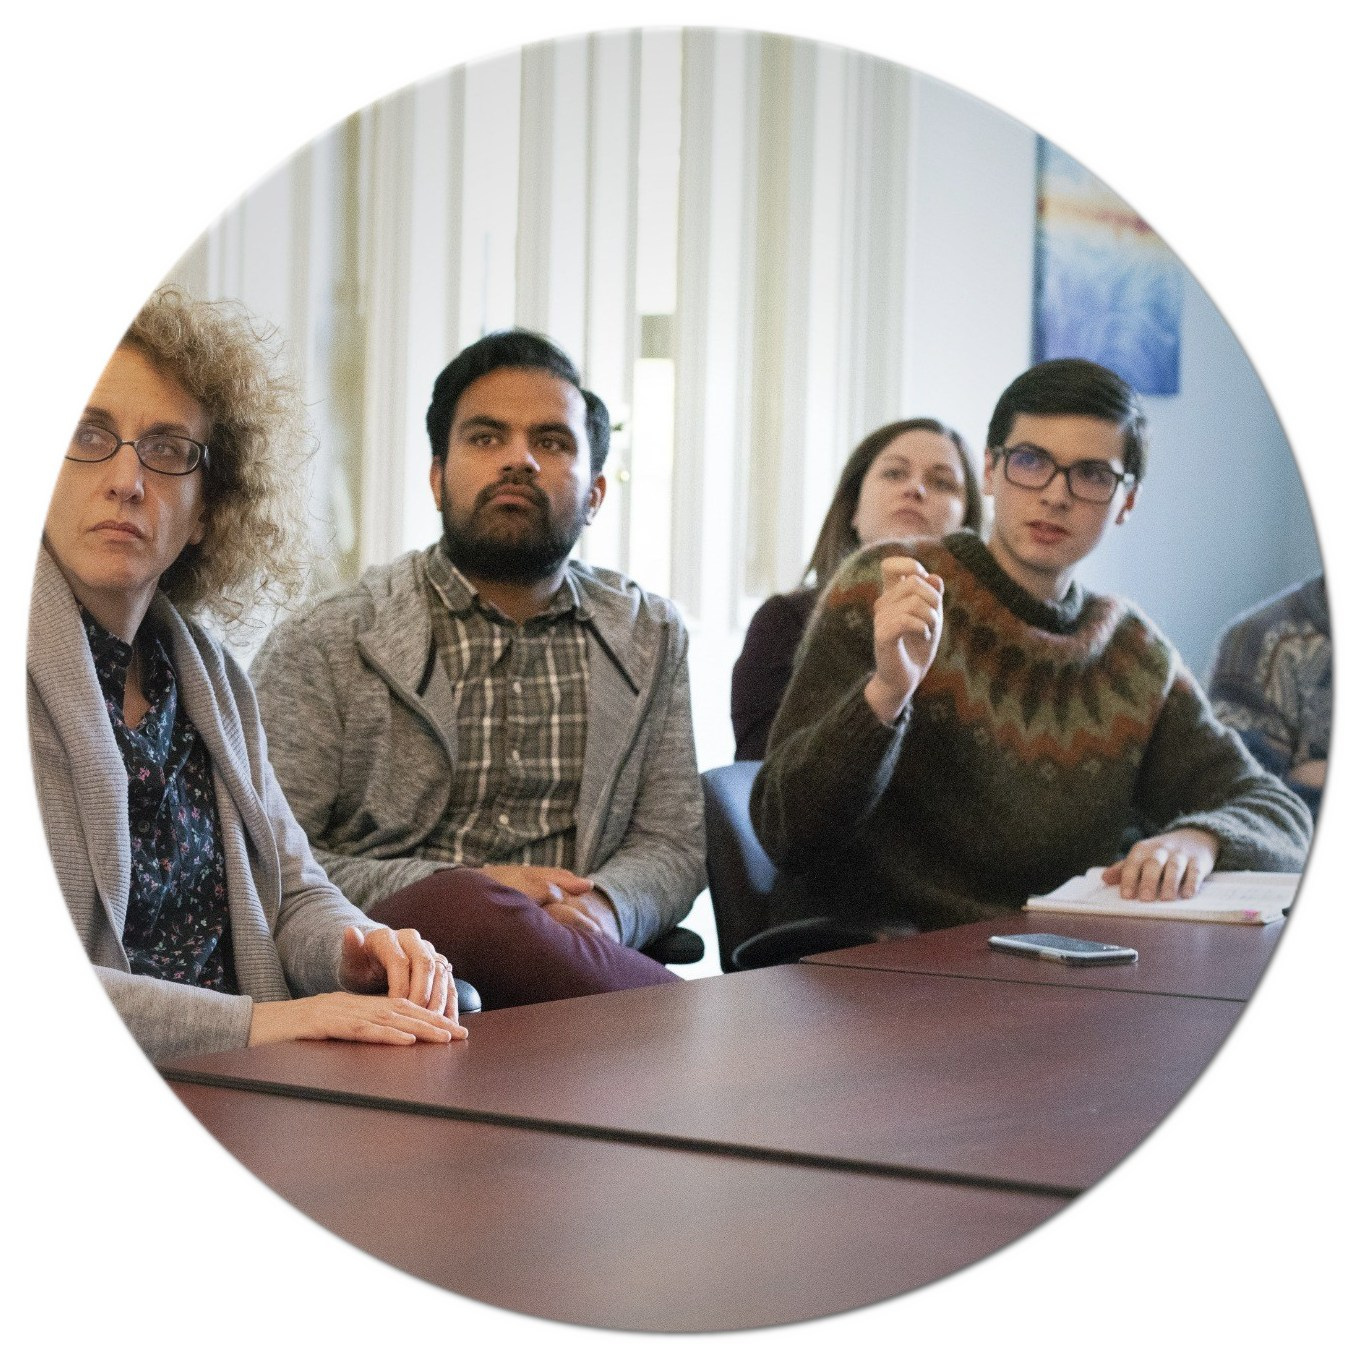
(968, 726)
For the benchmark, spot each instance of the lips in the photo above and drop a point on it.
(1046, 534)
(513, 493)
(908, 514)
(119, 528)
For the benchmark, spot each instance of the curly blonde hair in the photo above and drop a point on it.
(254, 543)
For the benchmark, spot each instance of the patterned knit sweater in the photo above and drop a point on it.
(1043, 738)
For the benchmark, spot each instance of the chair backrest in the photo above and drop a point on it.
(741, 877)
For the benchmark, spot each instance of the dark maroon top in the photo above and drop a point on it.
(765, 666)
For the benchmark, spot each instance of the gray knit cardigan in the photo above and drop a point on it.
(287, 920)
(362, 727)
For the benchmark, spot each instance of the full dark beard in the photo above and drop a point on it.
(512, 547)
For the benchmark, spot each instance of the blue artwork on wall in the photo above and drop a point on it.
(1106, 286)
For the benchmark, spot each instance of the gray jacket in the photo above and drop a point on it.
(286, 919)
(361, 727)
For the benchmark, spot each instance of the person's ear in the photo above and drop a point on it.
(1127, 506)
(597, 488)
(989, 460)
(436, 483)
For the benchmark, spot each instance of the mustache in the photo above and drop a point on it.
(521, 482)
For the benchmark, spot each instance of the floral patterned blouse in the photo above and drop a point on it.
(177, 927)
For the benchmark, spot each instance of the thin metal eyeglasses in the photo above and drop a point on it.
(172, 455)
(1089, 479)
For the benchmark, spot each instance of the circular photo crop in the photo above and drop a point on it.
(691, 659)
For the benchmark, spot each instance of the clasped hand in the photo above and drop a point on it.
(908, 617)
(1165, 866)
(420, 1003)
(568, 898)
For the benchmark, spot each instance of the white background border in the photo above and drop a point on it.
(128, 128)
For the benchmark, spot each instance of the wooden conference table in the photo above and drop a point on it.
(748, 1149)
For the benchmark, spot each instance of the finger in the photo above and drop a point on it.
(386, 953)
(420, 956)
(1114, 872)
(1153, 868)
(356, 967)
(427, 1026)
(1193, 878)
(369, 1032)
(450, 1010)
(895, 569)
(910, 587)
(925, 611)
(1173, 875)
(440, 984)
(572, 884)
(1134, 867)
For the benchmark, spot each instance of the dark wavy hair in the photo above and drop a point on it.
(511, 349)
(1074, 387)
(838, 536)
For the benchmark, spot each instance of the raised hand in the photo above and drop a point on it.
(907, 620)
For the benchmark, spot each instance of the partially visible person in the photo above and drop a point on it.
(1271, 683)
(191, 886)
(967, 726)
(909, 479)
(488, 740)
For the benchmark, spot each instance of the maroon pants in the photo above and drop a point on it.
(507, 946)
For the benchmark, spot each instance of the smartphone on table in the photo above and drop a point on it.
(1061, 948)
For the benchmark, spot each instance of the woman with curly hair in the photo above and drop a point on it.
(191, 885)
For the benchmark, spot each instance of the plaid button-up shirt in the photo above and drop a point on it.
(520, 692)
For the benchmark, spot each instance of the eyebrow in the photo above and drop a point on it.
(939, 465)
(1075, 462)
(472, 422)
(97, 413)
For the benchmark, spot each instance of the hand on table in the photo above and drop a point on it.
(356, 1019)
(1165, 867)
(400, 963)
(420, 1004)
(907, 620)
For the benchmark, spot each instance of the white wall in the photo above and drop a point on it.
(1223, 519)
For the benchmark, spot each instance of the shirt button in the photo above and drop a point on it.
(514, 755)
(503, 819)
(518, 688)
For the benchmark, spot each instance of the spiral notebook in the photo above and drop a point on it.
(1227, 898)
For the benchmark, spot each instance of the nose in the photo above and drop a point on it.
(126, 475)
(519, 456)
(1057, 491)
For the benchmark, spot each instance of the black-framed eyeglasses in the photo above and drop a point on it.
(172, 455)
(1090, 480)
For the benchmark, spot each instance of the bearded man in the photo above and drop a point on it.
(487, 736)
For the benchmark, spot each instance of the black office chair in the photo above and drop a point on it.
(749, 892)
(676, 945)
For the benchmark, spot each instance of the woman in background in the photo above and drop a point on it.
(909, 479)
(191, 885)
